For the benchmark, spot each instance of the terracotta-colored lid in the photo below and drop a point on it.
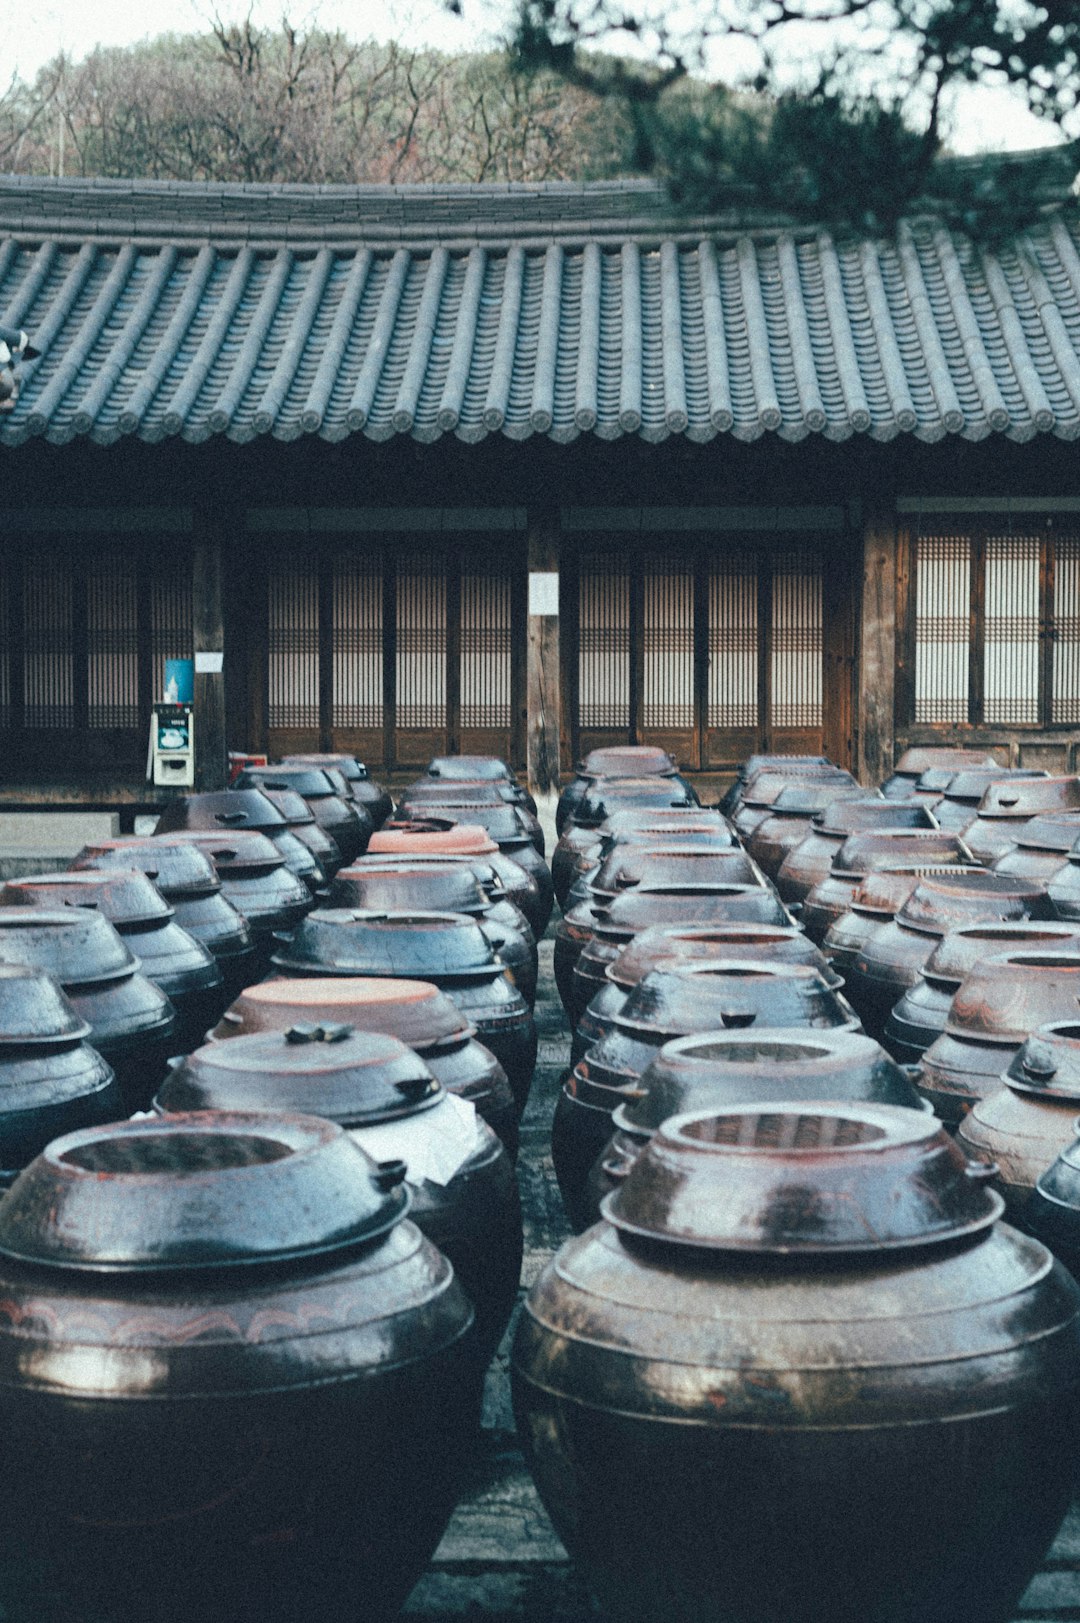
(415, 1011)
(464, 840)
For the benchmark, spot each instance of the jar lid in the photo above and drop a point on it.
(627, 761)
(176, 866)
(228, 811)
(1056, 831)
(415, 1011)
(357, 941)
(293, 807)
(808, 796)
(1005, 997)
(630, 865)
(351, 1077)
(844, 817)
(461, 792)
(862, 852)
(958, 952)
(125, 896)
(464, 839)
(970, 786)
(1048, 1064)
(77, 945)
(235, 852)
(941, 901)
(451, 888)
(632, 819)
(199, 1191)
(471, 767)
(667, 943)
(914, 762)
(352, 770)
(33, 1009)
(716, 1069)
(1022, 799)
(730, 994)
(818, 1180)
(312, 782)
(703, 903)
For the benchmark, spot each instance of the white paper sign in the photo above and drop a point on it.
(544, 592)
(209, 662)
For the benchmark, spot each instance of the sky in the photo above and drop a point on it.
(982, 120)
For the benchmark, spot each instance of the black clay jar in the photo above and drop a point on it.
(676, 1000)
(241, 811)
(132, 1023)
(234, 1345)
(345, 821)
(51, 1080)
(255, 880)
(914, 762)
(416, 1012)
(361, 789)
(463, 1194)
(795, 1330)
(719, 1069)
(792, 766)
(188, 880)
(448, 949)
(809, 862)
(318, 858)
(621, 761)
(181, 966)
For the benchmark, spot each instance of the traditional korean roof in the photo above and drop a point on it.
(166, 309)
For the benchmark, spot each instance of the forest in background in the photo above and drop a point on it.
(248, 104)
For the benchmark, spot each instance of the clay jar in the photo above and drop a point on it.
(606, 929)
(343, 819)
(1042, 845)
(795, 1330)
(51, 1080)
(630, 865)
(447, 949)
(788, 820)
(914, 762)
(472, 801)
(920, 1016)
(503, 824)
(623, 761)
(675, 1001)
(188, 880)
(692, 831)
(998, 1005)
(256, 881)
(463, 1194)
(184, 970)
(895, 954)
(240, 811)
(466, 843)
(445, 889)
(1006, 807)
(236, 1345)
(361, 789)
(1063, 887)
(964, 790)
(720, 1069)
(416, 1012)
(860, 855)
(605, 796)
(1031, 1119)
(792, 766)
(322, 852)
(765, 788)
(667, 944)
(877, 898)
(809, 862)
(131, 1021)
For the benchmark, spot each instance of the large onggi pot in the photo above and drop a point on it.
(463, 1194)
(503, 825)
(962, 791)
(792, 766)
(605, 929)
(581, 849)
(630, 865)
(241, 811)
(766, 789)
(1042, 845)
(914, 762)
(609, 981)
(188, 880)
(788, 819)
(878, 897)
(361, 789)
(448, 949)
(447, 889)
(466, 843)
(809, 862)
(622, 761)
(604, 797)
(718, 1069)
(894, 955)
(1006, 807)
(233, 1345)
(920, 1016)
(184, 970)
(51, 1080)
(131, 1021)
(416, 1012)
(676, 1000)
(1031, 1119)
(324, 857)
(343, 819)
(795, 1330)
(996, 1008)
(256, 881)
(862, 854)
(474, 802)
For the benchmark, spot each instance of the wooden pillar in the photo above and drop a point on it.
(543, 670)
(208, 625)
(877, 647)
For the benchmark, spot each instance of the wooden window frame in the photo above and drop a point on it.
(979, 526)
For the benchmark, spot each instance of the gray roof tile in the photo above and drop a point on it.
(559, 310)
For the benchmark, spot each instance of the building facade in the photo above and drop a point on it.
(528, 470)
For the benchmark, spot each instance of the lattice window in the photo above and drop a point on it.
(604, 642)
(733, 645)
(421, 641)
(796, 651)
(293, 598)
(1011, 636)
(1066, 706)
(942, 627)
(668, 636)
(485, 647)
(48, 655)
(112, 640)
(358, 639)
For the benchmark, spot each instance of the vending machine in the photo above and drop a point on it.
(172, 745)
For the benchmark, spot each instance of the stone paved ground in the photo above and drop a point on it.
(501, 1561)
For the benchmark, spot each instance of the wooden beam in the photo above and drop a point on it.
(877, 647)
(543, 671)
(208, 627)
